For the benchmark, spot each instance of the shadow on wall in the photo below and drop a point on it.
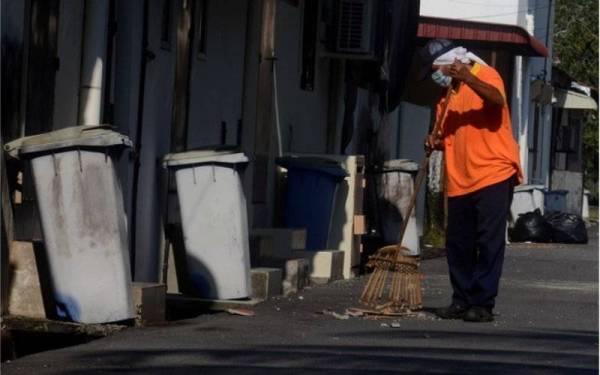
(412, 351)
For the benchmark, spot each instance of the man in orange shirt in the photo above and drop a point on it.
(482, 167)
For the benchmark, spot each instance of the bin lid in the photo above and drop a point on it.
(556, 192)
(312, 163)
(400, 165)
(85, 135)
(529, 188)
(205, 156)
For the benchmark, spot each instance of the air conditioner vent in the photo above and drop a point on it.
(354, 26)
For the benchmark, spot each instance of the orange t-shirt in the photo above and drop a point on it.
(479, 146)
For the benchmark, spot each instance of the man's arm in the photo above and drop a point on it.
(487, 92)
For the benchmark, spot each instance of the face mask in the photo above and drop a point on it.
(441, 79)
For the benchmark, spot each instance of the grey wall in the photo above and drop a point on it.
(573, 183)
(216, 82)
(66, 89)
(13, 24)
(303, 114)
(155, 137)
(156, 122)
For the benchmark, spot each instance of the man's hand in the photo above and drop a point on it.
(434, 142)
(460, 72)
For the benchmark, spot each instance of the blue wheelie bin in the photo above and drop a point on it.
(311, 188)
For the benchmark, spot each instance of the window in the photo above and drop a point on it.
(200, 29)
(567, 141)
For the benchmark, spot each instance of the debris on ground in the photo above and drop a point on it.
(242, 312)
(336, 315)
(395, 324)
(354, 313)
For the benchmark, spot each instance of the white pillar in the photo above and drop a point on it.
(93, 62)
(525, 117)
(517, 97)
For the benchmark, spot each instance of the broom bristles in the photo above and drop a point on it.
(404, 292)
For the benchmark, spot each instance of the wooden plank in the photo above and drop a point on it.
(189, 302)
(18, 323)
(264, 103)
(7, 235)
(182, 78)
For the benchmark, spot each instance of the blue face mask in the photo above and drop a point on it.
(441, 79)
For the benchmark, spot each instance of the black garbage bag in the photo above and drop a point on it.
(531, 226)
(567, 228)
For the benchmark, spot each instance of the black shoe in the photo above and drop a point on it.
(478, 314)
(454, 311)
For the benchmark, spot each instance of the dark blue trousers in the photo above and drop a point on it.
(475, 242)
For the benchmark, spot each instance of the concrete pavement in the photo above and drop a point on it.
(546, 323)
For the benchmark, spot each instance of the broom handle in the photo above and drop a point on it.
(423, 170)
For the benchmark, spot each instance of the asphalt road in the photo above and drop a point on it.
(546, 323)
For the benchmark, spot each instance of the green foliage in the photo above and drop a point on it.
(576, 53)
(434, 232)
(576, 39)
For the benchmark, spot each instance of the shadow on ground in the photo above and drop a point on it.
(543, 352)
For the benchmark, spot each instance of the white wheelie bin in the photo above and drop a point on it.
(214, 221)
(83, 220)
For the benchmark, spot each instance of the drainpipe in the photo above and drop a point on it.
(93, 61)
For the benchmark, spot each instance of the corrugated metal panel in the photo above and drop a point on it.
(509, 37)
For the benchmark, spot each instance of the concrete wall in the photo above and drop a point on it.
(303, 114)
(506, 11)
(573, 183)
(156, 122)
(13, 67)
(126, 87)
(216, 82)
(66, 89)
(158, 95)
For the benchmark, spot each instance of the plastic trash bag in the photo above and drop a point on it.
(532, 226)
(567, 228)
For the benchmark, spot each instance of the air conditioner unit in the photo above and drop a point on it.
(351, 29)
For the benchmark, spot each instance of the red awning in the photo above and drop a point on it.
(482, 35)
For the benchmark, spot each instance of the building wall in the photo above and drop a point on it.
(217, 80)
(303, 114)
(126, 84)
(13, 67)
(154, 138)
(573, 183)
(66, 89)
(505, 12)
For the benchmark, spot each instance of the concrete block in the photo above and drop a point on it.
(296, 272)
(279, 242)
(149, 303)
(266, 282)
(25, 296)
(324, 265)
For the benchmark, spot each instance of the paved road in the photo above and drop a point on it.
(547, 323)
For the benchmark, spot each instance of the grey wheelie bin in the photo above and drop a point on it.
(83, 220)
